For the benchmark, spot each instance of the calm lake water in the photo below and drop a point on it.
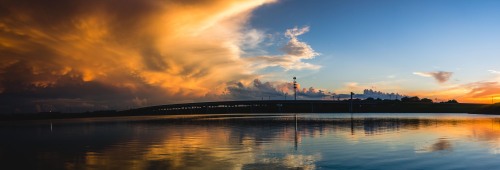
(255, 141)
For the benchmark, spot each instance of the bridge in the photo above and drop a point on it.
(251, 106)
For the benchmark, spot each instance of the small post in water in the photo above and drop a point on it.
(350, 107)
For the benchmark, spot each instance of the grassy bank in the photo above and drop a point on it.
(488, 109)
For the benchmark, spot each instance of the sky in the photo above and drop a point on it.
(74, 56)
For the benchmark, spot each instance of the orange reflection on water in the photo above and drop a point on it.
(235, 144)
(194, 147)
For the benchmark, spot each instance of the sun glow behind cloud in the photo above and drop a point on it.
(116, 55)
(133, 50)
(475, 92)
(119, 54)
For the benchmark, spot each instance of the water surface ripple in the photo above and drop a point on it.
(255, 141)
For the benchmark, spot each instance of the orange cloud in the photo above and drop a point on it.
(127, 50)
(476, 92)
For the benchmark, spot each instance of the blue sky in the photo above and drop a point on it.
(386, 41)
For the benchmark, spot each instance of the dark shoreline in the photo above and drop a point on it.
(271, 107)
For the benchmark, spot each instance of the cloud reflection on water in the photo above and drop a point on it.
(247, 141)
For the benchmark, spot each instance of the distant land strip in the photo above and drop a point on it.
(276, 106)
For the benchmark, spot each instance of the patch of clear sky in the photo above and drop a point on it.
(365, 41)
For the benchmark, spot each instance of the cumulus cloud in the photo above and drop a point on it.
(120, 54)
(296, 48)
(257, 90)
(440, 76)
(294, 52)
(370, 93)
(312, 93)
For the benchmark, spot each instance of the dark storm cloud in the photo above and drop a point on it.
(275, 90)
(118, 53)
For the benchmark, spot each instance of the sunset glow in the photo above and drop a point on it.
(75, 56)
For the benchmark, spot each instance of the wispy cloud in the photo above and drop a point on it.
(294, 52)
(482, 89)
(440, 76)
(494, 71)
(474, 92)
(296, 48)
